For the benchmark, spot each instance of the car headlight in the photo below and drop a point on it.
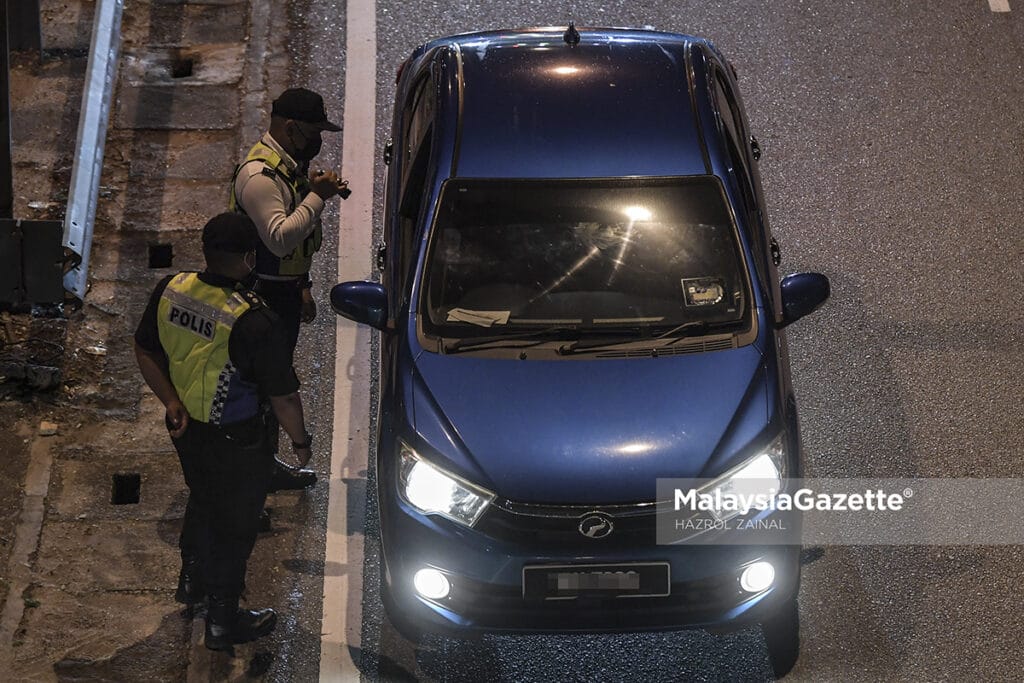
(433, 491)
(759, 475)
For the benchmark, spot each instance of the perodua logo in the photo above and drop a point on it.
(596, 525)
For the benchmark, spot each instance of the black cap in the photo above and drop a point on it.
(231, 232)
(303, 105)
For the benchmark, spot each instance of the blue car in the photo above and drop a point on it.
(578, 296)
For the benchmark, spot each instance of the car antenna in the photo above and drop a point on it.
(571, 36)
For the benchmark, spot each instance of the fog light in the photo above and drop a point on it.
(432, 584)
(757, 577)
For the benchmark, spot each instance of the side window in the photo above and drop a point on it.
(733, 126)
(416, 125)
(415, 155)
(735, 135)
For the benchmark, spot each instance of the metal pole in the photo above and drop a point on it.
(23, 19)
(6, 169)
(92, 136)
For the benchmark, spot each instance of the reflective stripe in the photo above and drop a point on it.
(208, 311)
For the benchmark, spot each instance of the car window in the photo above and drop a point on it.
(597, 255)
(416, 148)
(735, 137)
(416, 124)
(732, 126)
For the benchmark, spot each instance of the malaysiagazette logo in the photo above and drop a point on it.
(803, 499)
(773, 510)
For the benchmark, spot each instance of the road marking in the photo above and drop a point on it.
(999, 5)
(343, 562)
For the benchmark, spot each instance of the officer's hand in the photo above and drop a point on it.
(325, 184)
(308, 312)
(177, 417)
(303, 455)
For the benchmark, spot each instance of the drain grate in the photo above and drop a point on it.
(182, 67)
(125, 488)
(160, 255)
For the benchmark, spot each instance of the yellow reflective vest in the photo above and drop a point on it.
(194, 322)
(301, 259)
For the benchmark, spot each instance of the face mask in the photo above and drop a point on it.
(308, 150)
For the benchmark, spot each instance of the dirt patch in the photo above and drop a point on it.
(157, 657)
(101, 637)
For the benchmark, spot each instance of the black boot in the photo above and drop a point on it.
(288, 478)
(227, 625)
(190, 583)
(265, 523)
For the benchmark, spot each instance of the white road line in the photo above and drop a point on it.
(343, 563)
(999, 5)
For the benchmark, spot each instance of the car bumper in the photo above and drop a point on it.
(486, 577)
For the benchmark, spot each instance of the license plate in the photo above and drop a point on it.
(570, 581)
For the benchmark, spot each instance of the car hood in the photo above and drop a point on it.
(588, 431)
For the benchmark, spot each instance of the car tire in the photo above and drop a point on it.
(782, 636)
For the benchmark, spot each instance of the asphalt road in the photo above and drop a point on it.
(893, 142)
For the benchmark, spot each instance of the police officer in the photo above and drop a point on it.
(215, 355)
(273, 188)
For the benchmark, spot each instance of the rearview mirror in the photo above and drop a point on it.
(363, 302)
(802, 294)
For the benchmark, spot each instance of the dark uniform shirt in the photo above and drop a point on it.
(257, 345)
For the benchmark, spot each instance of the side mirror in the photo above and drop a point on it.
(363, 302)
(802, 294)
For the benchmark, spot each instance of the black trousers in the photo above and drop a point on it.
(284, 297)
(227, 474)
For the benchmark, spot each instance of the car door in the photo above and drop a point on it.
(407, 155)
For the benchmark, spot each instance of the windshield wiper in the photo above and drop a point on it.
(566, 349)
(695, 328)
(499, 339)
(691, 328)
(687, 329)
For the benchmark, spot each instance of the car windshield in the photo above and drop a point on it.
(623, 258)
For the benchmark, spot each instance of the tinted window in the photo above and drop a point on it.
(629, 255)
(417, 125)
(733, 127)
(414, 163)
(736, 140)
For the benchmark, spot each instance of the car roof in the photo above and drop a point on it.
(616, 104)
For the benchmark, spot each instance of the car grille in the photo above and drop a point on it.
(557, 527)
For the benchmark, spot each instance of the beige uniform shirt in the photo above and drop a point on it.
(267, 201)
